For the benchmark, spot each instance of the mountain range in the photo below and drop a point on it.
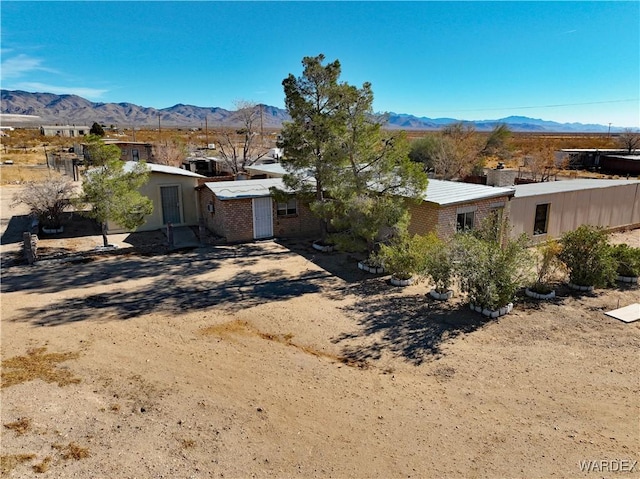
(49, 108)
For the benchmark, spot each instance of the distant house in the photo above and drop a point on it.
(548, 210)
(173, 193)
(65, 130)
(621, 164)
(133, 150)
(589, 158)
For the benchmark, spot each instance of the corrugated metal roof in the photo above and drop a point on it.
(549, 187)
(269, 169)
(169, 170)
(444, 192)
(438, 191)
(227, 190)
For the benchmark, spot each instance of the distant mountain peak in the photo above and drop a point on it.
(52, 108)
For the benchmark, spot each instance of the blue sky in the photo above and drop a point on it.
(560, 61)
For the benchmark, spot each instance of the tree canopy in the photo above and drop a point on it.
(96, 129)
(459, 150)
(112, 189)
(336, 150)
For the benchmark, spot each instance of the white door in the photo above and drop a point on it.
(262, 218)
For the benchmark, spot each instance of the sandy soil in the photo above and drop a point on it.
(269, 360)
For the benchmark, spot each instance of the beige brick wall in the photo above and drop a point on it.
(427, 217)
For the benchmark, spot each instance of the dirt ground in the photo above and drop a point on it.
(272, 360)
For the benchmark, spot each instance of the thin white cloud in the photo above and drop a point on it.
(90, 93)
(21, 65)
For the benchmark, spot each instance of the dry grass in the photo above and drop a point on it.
(71, 451)
(37, 365)
(243, 328)
(9, 462)
(20, 427)
(187, 443)
(17, 174)
(43, 466)
(20, 157)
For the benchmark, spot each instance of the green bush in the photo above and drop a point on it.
(439, 264)
(491, 266)
(405, 255)
(588, 256)
(627, 259)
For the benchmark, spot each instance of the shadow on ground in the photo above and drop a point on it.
(339, 264)
(412, 327)
(16, 226)
(172, 283)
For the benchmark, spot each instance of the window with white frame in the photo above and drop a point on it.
(288, 208)
(465, 218)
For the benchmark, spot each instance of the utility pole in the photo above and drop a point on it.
(159, 130)
(609, 132)
(206, 131)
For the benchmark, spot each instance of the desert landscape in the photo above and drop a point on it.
(272, 360)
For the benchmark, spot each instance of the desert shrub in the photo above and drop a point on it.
(439, 263)
(627, 259)
(404, 255)
(588, 256)
(491, 268)
(547, 265)
(47, 199)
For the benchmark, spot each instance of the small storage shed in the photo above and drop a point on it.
(547, 210)
(244, 210)
(450, 206)
(173, 192)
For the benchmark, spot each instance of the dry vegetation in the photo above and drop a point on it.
(20, 427)
(71, 451)
(9, 462)
(38, 365)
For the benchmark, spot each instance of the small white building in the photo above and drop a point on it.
(64, 130)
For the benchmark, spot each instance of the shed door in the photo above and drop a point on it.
(262, 218)
(170, 196)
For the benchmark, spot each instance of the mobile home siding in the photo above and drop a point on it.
(611, 207)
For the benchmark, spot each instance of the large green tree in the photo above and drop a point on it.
(111, 188)
(336, 149)
(311, 139)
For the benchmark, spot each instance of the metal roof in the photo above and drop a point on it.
(562, 186)
(269, 169)
(445, 193)
(169, 170)
(228, 190)
(625, 157)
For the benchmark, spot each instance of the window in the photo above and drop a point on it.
(465, 221)
(135, 155)
(541, 220)
(288, 208)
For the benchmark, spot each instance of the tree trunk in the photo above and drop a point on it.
(104, 234)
